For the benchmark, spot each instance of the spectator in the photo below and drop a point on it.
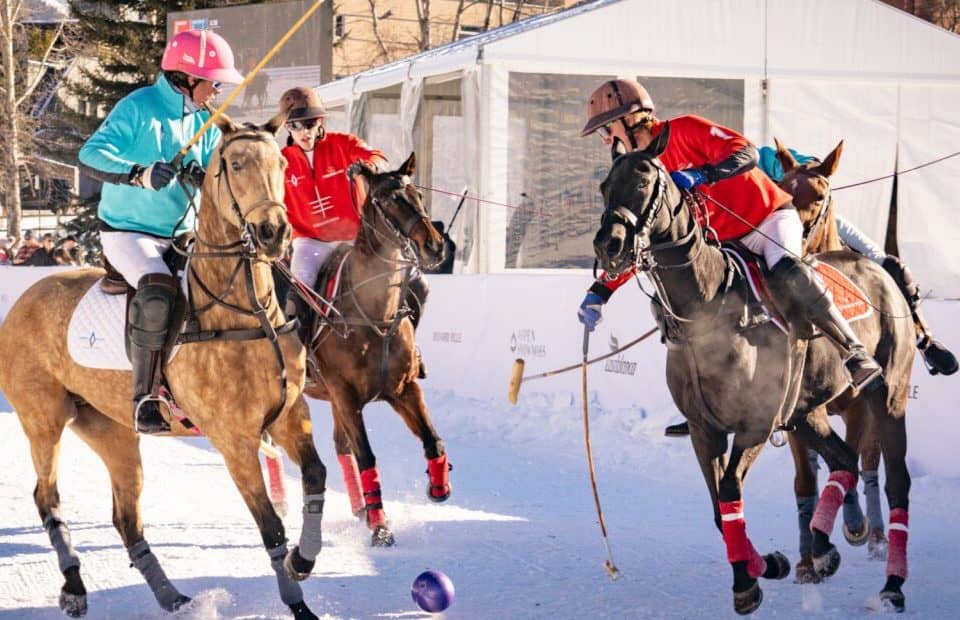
(43, 256)
(69, 252)
(29, 246)
(6, 248)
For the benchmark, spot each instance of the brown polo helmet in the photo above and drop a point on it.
(615, 99)
(302, 103)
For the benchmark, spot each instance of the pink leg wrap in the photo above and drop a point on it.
(370, 480)
(439, 473)
(739, 547)
(351, 480)
(831, 498)
(278, 492)
(897, 551)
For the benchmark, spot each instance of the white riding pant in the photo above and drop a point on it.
(134, 254)
(308, 257)
(779, 234)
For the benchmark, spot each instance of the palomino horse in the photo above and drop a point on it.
(809, 184)
(748, 380)
(368, 352)
(230, 378)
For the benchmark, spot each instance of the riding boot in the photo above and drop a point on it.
(417, 293)
(148, 322)
(938, 358)
(796, 285)
(297, 308)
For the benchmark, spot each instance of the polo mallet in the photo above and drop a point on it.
(249, 77)
(610, 567)
(517, 378)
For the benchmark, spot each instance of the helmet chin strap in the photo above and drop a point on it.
(627, 129)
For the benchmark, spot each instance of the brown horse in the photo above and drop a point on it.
(732, 376)
(368, 352)
(230, 378)
(809, 184)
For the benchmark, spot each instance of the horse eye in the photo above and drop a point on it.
(642, 183)
(235, 166)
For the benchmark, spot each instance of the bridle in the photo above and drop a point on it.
(244, 250)
(811, 231)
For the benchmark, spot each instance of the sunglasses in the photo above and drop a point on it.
(604, 130)
(310, 123)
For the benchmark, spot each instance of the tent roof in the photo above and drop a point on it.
(853, 40)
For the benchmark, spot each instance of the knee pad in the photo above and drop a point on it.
(151, 309)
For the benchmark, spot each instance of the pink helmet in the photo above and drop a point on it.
(203, 54)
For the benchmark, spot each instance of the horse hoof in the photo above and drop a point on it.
(749, 600)
(302, 612)
(805, 573)
(778, 566)
(893, 600)
(827, 563)
(296, 566)
(444, 493)
(857, 539)
(382, 537)
(74, 605)
(877, 545)
(177, 603)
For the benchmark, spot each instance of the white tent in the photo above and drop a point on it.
(499, 113)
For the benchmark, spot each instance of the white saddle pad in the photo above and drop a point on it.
(95, 335)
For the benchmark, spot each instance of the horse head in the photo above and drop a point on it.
(637, 197)
(809, 184)
(394, 212)
(244, 185)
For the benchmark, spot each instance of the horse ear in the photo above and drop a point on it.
(410, 166)
(786, 158)
(659, 144)
(829, 165)
(226, 124)
(274, 124)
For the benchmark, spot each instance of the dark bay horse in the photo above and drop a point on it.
(368, 351)
(728, 379)
(231, 387)
(809, 184)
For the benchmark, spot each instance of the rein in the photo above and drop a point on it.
(244, 250)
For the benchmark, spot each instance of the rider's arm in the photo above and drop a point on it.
(604, 287)
(724, 152)
(102, 156)
(857, 241)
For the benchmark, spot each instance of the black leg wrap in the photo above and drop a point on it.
(892, 594)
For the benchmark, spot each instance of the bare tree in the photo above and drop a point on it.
(423, 16)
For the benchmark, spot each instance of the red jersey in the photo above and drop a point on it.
(318, 199)
(695, 142)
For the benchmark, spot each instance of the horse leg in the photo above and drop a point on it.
(351, 472)
(292, 433)
(413, 409)
(842, 462)
(347, 412)
(892, 430)
(870, 464)
(805, 465)
(43, 418)
(240, 453)
(856, 529)
(747, 563)
(119, 448)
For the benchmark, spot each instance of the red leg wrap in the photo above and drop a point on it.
(830, 500)
(278, 492)
(739, 547)
(351, 480)
(439, 473)
(897, 551)
(370, 480)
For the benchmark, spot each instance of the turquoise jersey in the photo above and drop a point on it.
(150, 124)
(771, 165)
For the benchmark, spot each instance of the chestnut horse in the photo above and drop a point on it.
(231, 379)
(367, 351)
(732, 377)
(809, 184)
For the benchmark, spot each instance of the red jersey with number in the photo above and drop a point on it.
(694, 142)
(321, 204)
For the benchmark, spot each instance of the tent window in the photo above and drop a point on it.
(553, 174)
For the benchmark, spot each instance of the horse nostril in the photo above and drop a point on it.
(267, 231)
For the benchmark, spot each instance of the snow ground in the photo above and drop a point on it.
(519, 536)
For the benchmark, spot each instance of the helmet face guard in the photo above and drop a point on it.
(614, 100)
(202, 54)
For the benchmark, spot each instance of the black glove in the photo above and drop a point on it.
(156, 176)
(193, 174)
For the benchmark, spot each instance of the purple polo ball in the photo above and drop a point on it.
(432, 591)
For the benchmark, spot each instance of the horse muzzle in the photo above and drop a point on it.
(272, 238)
(611, 248)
